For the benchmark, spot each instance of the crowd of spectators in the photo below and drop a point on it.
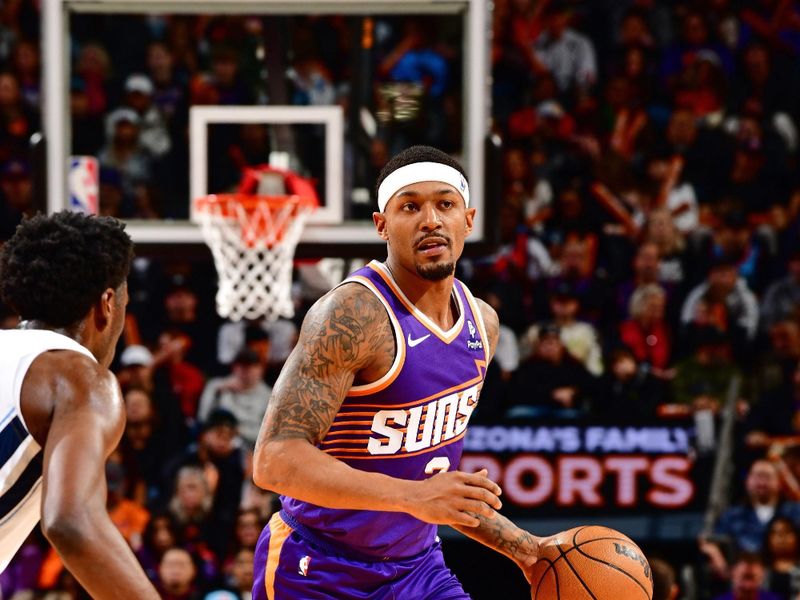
(649, 238)
(649, 247)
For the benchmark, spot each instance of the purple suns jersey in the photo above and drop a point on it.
(409, 424)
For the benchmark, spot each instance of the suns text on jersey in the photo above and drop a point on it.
(423, 426)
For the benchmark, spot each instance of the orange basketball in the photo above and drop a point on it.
(591, 562)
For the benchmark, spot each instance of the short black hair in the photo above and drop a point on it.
(416, 154)
(54, 268)
(255, 333)
(220, 417)
(725, 261)
(565, 290)
(246, 357)
(767, 551)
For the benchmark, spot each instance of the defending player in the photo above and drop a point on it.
(61, 411)
(365, 426)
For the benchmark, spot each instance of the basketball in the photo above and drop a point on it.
(591, 562)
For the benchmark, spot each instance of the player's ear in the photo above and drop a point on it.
(380, 225)
(104, 308)
(469, 218)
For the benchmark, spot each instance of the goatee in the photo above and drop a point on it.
(436, 271)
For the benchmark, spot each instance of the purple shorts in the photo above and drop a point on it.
(289, 566)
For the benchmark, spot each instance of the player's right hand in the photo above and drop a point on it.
(455, 498)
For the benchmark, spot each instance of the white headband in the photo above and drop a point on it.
(417, 172)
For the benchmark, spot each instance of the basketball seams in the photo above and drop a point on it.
(542, 576)
(602, 539)
(574, 572)
(577, 533)
(616, 568)
(613, 539)
(552, 563)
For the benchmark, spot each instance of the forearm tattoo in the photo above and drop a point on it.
(502, 535)
(340, 335)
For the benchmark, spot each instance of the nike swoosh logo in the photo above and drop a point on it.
(412, 343)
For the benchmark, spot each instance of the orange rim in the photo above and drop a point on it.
(250, 203)
(260, 226)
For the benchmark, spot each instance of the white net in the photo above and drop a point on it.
(253, 244)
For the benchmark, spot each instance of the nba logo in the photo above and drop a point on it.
(303, 567)
(83, 181)
(471, 329)
(462, 184)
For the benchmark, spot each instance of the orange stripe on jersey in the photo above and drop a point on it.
(357, 414)
(361, 432)
(477, 379)
(360, 442)
(334, 451)
(365, 431)
(278, 533)
(445, 336)
(400, 357)
(343, 423)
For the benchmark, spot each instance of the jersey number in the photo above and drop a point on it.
(438, 464)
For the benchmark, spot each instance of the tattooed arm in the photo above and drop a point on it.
(500, 534)
(347, 335)
(496, 531)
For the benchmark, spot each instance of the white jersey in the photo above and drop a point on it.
(20, 455)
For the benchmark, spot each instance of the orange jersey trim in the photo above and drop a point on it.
(446, 336)
(356, 414)
(455, 388)
(347, 432)
(279, 531)
(334, 451)
(400, 356)
(363, 432)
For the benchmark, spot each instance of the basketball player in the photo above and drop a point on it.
(364, 430)
(61, 411)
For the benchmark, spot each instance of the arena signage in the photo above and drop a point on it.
(587, 467)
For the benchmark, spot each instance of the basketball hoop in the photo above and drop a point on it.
(252, 239)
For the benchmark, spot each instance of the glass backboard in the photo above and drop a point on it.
(331, 89)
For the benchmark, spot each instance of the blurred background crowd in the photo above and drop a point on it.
(648, 225)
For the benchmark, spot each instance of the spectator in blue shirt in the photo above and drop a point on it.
(745, 524)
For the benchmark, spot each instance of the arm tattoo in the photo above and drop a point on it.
(501, 535)
(342, 334)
